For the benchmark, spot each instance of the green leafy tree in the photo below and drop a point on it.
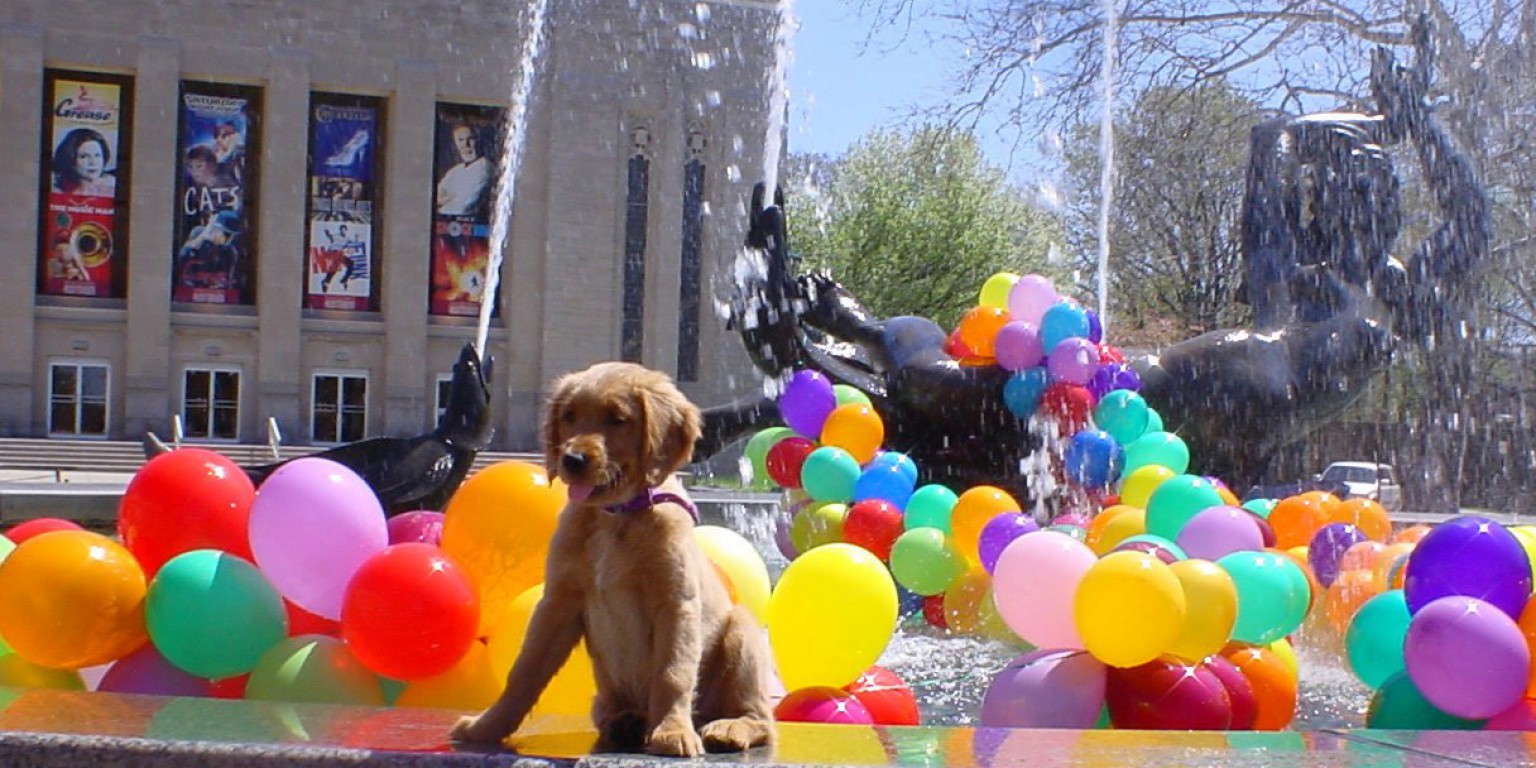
(913, 223)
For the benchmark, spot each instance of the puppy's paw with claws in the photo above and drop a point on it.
(674, 742)
(477, 730)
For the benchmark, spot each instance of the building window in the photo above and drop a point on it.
(210, 403)
(339, 413)
(444, 393)
(690, 276)
(636, 209)
(77, 399)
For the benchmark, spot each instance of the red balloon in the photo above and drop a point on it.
(1245, 706)
(184, 500)
(886, 696)
(1069, 404)
(41, 525)
(230, 687)
(410, 612)
(785, 458)
(933, 611)
(1109, 354)
(302, 622)
(822, 704)
(1166, 696)
(874, 524)
(1266, 530)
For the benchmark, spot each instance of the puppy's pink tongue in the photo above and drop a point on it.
(578, 493)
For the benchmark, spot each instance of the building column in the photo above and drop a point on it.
(280, 266)
(21, 99)
(406, 244)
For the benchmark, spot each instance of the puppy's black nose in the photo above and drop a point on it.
(574, 462)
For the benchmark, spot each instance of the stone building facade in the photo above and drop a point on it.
(645, 130)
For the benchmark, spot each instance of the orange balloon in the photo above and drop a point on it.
(1527, 624)
(1297, 519)
(855, 428)
(978, 329)
(1370, 517)
(1131, 522)
(973, 510)
(1361, 556)
(72, 599)
(503, 552)
(469, 685)
(1329, 501)
(963, 601)
(1411, 535)
(1101, 521)
(1274, 686)
(1386, 559)
(1343, 598)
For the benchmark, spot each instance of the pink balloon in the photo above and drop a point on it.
(1034, 584)
(1467, 657)
(1046, 689)
(822, 704)
(1018, 346)
(1215, 532)
(1074, 361)
(313, 523)
(1030, 297)
(421, 526)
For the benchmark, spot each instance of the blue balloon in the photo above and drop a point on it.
(1063, 320)
(1022, 392)
(1094, 459)
(897, 459)
(886, 482)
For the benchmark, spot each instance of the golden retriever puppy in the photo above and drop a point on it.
(679, 668)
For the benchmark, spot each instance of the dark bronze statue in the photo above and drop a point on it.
(1330, 302)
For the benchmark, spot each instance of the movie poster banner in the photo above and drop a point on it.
(83, 232)
(465, 164)
(344, 134)
(215, 192)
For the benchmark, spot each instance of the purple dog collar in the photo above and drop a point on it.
(650, 498)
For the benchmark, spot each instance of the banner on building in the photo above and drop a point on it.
(84, 229)
(344, 137)
(214, 260)
(465, 166)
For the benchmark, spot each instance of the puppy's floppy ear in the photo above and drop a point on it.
(672, 425)
(552, 438)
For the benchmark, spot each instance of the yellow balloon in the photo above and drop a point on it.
(1130, 521)
(964, 599)
(497, 527)
(1210, 598)
(1137, 487)
(1527, 538)
(573, 687)
(72, 599)
(994, 292)
(1287, 654)
(469, 685)
(814, 744)
(733, 554)
(16, 672)
(972, 511)
(818, 524)
(831, 616)
(855, 428)
(1129, 608)
(992, 625)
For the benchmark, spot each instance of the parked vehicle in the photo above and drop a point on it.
(1367, 479)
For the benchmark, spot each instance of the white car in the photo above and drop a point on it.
(1377, 482)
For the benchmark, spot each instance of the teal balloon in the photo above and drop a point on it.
(1301, 593)
(930, 507)
(1399, 706)
(1374, 641)
(830, 474)
(756, 453)
(925, 562)
(1123, 414)
(847, 394)
(1154, 420)
(1164, 449)
(1176, 501)
(1269, 603)
(1260, 507)
(213, 614)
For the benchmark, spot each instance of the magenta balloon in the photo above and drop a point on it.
(1030, 297)
(1520, 717)
(1018, 346)
(1046, 689)
(421, 526)
(806, 402)
(1073, 361)
(1467, 657)
(146, 671)
(999, 532)
(313, 523)
(1215, 532)
(1034, 585)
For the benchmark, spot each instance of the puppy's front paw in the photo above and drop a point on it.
(736, 734)
(477, 730)
(674, 742)
(624, 732)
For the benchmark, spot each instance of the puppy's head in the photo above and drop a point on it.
(614, 429)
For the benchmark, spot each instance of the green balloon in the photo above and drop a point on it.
(849, 394)
(1123, 414)
(1154, 421)
(1161, 448)
(930, 507)
(1176, 501)
(756, 454)
(313, 668)
(1269, 604)
(829, 474)
(6, 547)
(923, 561)
(1399, 706)
(212, 614)
(1374, 641)
(1260, 507)
(1152, 538)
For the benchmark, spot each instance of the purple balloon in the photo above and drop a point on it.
(420, 526)
(1328, 547)
(1073, 361)
(782, 538)
(1018, 346)
(807, 401)
(146, 671)
(1030, 297)
(1095, 327)
(1046, 689)
(1109, 377)
(1467, 658)
(1215, 532)
(1471, 556)
(999, 532)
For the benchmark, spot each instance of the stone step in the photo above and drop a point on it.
(62, 455)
